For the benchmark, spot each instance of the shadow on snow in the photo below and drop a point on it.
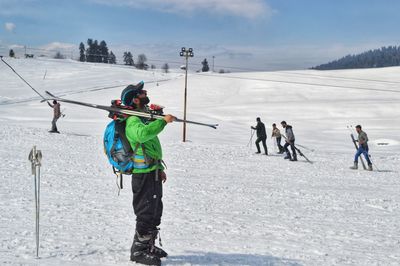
(211, 258)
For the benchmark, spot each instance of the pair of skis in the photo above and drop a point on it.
(122, 111)
(299, 151)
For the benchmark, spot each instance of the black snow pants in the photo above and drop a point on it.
(263, 140)
(147, 201)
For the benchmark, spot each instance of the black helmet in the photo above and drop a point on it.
(131, 92)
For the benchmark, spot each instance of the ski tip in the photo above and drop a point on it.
(49, 93)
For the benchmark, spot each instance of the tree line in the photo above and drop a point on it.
(383, 57)
(96, 53)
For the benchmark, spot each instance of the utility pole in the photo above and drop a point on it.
(185, 53)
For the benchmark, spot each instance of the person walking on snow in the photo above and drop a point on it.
(148, 176)
(56, 115)
(261, 136)
(277, 134)
(362, 148)
(290, 139)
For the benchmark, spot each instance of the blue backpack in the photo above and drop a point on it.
(119, 151)
(117, 147)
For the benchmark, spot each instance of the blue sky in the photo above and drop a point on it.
(267, 35)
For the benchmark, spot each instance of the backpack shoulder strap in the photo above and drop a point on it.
(120, 132)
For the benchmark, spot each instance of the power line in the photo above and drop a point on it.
(303, 83)
(342, 78)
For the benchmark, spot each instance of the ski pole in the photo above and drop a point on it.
(22, 78)
(377, 169)
(35, 156)
(251, 138)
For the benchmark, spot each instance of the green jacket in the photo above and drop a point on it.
(143, 132)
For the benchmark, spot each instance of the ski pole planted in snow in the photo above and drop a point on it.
(251, 138)
(35, 156)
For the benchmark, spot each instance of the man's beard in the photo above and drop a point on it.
(143, 102)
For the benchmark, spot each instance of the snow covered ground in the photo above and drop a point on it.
(223, 204)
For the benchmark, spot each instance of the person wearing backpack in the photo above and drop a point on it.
(147, 176)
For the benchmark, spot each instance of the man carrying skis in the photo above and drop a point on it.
(362, 148)
(277, 134)
(289, 142)
(148, 176)
(56, 116)
(261, 136)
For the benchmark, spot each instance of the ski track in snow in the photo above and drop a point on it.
(223, 204)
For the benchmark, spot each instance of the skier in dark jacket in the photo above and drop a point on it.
(290, 139)
(261, 136)
(362, 148)
(147, 178)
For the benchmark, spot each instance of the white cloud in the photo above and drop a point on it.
(59, 46)
(242, 8)
(9, 26)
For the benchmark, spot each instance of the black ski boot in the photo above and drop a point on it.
(141, 250)
(294, 158)
(159, 252)
(287, 157)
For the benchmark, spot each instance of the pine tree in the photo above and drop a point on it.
(82, 56)
(96, 52)
(128, 59)
(103, 50)
(59, 55)
(112, 58)
(141, 62)
(165, 67)
(89, 51)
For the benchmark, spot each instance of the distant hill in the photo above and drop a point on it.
(383, 57)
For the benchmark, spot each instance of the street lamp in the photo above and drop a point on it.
(186, 53)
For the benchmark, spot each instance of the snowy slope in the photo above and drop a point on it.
(224, 205)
